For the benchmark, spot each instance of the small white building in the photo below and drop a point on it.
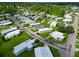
(37, 17)
(17, 15)
(3, 32)
(53, 24)
(43, 52)
(26, 45)
(59, 18)
(45, 30)
(74, 8)
(77, 13)
(4, 23)
(50, 16)
(12, 34)
(77, 49)
(34, 24)
(68, 16)
(57, 35)
(67, 20)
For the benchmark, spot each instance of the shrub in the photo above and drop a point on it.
(68, 29)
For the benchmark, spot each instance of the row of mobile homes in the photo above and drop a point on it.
(24, 19)
(24, 46)
(12, 34)
(3, 32)
(36, 26)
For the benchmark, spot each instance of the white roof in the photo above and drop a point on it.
(12, 34)
(51, 16)
(57, 35)
(77, 49)
(17, 15)
(53, 23)
(59, 18)
(68, 16)
(43, 52)
(31, 24)
(77, 13)
(45, 30)
(8, 30)
(67, 19)
(7, 22)
(27, 21)
(74, 7)
(23, 46)
(37, 17)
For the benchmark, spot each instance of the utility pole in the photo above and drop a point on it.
(70, 50)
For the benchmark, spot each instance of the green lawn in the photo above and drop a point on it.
(44, 35)
(54, 51)
(1, 39)
(77, 46)
(6, 48)
(45, 23)
(77, 54)
(33, 29)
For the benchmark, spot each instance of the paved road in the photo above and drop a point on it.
(71, 41)
(58, 46)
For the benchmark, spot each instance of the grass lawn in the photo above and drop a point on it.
(54, 51)
(1, 39)
(33, 30)
(6, 48)
(77, 46)
(25, 25)
(44, 35)
(45, 23)
(77, 54)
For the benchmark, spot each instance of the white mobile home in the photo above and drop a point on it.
(67, 20)
(57, 35)
(12, 34)
(4, 23)
(45, 30)
(43, 52)
(53, 24)
(34, 24)
(3, 32)
(27, 45)
(68, 16)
